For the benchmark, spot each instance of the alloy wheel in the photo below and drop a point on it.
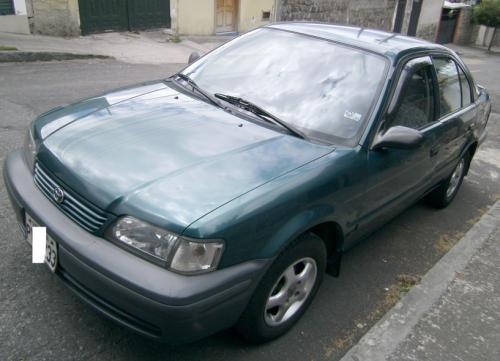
(455, 178)
(291, 291)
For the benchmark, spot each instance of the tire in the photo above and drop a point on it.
(442, 196)
(292, 282)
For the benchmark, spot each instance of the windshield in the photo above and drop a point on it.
(323, 89)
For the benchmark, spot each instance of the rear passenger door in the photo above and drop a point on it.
(456, 114)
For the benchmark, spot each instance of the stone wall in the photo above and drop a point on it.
(481, 35)
(54, 17)
(376, 14)
(427, 32)
(496, 41)
(466, 32)
(463, 28)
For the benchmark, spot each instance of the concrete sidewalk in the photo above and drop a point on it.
(453, 314)
(149, 47)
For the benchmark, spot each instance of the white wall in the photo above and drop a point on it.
(250, 13)
(20, 7)
(193, 17)
(430, 13)
(430, 16)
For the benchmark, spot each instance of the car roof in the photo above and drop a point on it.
(391, 45)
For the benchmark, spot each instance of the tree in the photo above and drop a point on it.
(488, 13)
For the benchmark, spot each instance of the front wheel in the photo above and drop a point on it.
(285, 291)
(444, 194)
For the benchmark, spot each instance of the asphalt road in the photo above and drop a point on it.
(41, 320)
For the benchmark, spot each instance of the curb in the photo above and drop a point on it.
(30, 56)
(386, 335)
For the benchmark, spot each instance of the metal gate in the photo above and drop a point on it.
(6, 7)
(447, 26)
(108, 15)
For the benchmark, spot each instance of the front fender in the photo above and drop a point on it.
(298, 224)
(260, 225)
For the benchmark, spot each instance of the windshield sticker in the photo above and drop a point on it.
(352, 115)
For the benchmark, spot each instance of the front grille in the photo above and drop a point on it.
(81, 212)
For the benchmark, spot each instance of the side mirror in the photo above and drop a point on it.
(193, 57)
(398, 137)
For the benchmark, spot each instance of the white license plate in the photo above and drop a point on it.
(51, 256)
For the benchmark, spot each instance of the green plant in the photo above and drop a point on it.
(175, 38)
(488, 13)
(7, 48)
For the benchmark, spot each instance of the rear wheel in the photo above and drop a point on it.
(285, 291)
(444, 194)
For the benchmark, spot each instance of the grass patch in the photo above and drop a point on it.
(446, 242)
(392, 295)
(406, 282)
(7, 48)
(175, 38)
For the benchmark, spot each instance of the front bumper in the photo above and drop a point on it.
(133, 292)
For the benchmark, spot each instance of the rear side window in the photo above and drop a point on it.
(450, 96)
(465, 85)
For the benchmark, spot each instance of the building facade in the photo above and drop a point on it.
(81, 17)
(409, 17)
(14, 16)
(54, 17)
(207, 17)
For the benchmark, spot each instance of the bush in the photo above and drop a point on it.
(488, 13)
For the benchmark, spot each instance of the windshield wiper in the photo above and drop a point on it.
(261, 113)
(196, 88)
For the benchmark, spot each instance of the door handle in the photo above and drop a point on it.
(434, 151)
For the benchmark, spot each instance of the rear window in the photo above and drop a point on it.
(450, 97)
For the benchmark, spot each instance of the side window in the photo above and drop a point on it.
(416, 103)
(465, 85)
(450, 97)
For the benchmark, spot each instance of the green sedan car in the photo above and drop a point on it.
(218, 197)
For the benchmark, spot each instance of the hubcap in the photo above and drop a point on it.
(455, 178)
(290, 291)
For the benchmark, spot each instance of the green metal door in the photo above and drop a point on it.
(144, 14)
(6, 7)
(104, 15)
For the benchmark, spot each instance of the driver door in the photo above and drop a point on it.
(395, 177)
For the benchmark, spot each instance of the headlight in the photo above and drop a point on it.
(153, 241)
(198, 257)
(30, 148)
(166, 248)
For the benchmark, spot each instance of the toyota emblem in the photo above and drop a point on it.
(58, 194)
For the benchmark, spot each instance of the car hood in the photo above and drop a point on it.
(161, 155)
